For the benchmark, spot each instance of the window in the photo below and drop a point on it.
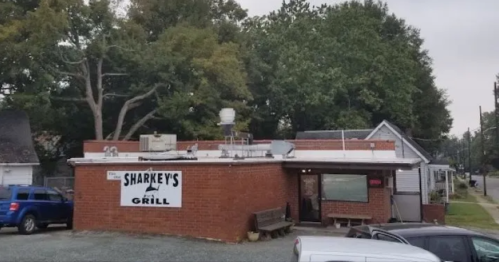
(40, 194)
(416, 241)
(54, 196)
(383, 237)
(486, 250)
(345, 187)
(5, 193)
(449, 248)
(22, 194)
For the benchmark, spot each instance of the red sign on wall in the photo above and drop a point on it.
(375, 182)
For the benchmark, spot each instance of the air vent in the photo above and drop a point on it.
(158, 143)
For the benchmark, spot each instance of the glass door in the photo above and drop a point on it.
(310, 201)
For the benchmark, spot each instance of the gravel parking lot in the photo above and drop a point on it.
(55, 244)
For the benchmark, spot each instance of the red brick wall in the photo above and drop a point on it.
(378, 207)
(133, 146)
(217, 200)
(434, 211)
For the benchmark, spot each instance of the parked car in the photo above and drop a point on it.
(31, 207)
(322, 249)
(447, 242)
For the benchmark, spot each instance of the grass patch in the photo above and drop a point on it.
(489, 199)
(469, 215)
(462, 196)
(461, 193)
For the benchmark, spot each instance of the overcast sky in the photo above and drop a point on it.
(461, 38)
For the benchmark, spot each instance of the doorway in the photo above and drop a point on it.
(310, 197)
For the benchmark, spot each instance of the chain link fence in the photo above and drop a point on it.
(65, 185)
(59, 182)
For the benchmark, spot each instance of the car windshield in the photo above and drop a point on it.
(5, 193)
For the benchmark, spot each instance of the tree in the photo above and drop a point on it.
(353, 66)
(92, 57)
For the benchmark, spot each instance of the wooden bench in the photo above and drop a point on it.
(271, 222)
(349, 218)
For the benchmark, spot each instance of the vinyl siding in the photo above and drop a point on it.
(10, 175)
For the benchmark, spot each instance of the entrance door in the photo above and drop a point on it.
(310, 199)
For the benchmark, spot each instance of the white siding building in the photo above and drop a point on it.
(17, 152)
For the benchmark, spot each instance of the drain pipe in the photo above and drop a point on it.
(343, 141)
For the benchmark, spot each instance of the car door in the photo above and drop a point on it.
(450, 248)
(57, 206)
(485, 249)
(42, 204)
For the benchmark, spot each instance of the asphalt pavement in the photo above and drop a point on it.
(56, 244)
(492, 186)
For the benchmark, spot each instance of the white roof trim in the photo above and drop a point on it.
(19, 164)
(399, 136)
(409, 161)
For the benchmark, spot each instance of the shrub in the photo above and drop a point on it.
(462, 185)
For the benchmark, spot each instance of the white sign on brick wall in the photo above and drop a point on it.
(114, 175)
(151, 188)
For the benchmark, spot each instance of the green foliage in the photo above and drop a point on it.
(463, 185)
(83, 72)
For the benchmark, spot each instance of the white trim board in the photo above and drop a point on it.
(400, 137)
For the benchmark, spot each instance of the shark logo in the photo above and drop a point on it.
(151, 191)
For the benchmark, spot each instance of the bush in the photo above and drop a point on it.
(462, 185)
(435, 197)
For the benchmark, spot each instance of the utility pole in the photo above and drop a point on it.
(496, 117)
(469, 152)
(463, 158)
(482, 143)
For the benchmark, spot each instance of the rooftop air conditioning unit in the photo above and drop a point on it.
(158, 143)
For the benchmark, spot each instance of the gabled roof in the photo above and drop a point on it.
(405, 138)
(360, 134)
(440, 161)
(16, 143)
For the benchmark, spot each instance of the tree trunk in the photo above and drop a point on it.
(98, 126)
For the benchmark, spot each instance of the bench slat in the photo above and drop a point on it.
(270, 220)
(273, 227)
(347, 216)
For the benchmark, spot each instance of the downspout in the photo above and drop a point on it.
(343, 141)
(420, 195)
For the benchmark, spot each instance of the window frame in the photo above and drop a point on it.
(324, 196)
(466, 240)
(40, 189)
(424, 238)
(8, 195)
(53, 192)
(472, 246)
(21, 190)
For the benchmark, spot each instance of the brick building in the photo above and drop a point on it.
(216, 197)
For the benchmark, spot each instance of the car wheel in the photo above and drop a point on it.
(43, 225)
(28, 225)
(69, 224)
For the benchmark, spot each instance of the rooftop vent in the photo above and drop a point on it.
(158, 143)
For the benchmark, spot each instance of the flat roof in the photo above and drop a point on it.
(333, 163)
(353, 163)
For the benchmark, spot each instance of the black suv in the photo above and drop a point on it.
(447, 242)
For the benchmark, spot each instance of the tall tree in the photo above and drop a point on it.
(353, 65)
(110, 64)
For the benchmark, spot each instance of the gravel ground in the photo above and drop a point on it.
(55, 244)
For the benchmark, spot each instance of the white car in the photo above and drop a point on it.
(340, 249)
